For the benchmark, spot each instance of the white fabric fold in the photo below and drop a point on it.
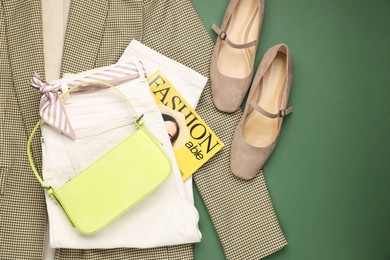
(188, 82)
(166, 217)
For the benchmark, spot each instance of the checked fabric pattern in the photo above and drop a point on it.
(97, 34)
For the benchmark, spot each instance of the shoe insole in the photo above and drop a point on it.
(258, 129)
(233, 62)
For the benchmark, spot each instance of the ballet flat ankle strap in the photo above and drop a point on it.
(223, 36)
(281, 113)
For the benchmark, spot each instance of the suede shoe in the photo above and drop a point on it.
(232, 62)
(259, 128)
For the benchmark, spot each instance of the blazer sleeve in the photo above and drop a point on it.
(174, 29)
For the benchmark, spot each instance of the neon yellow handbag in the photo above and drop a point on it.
(114, 183)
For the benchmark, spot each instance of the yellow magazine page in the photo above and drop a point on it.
(192, 140)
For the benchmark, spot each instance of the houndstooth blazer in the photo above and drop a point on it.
(97, 34)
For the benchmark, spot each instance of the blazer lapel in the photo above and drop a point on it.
(25, 45)
(83, 36)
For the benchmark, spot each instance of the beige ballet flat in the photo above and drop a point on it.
(259, 128)
(232, 62)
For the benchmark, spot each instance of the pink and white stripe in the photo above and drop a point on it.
(51, 107)
(52, 110)
(113, 75)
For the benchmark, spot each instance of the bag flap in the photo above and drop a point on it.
(114, 183)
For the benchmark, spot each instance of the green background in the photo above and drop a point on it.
(329, 175)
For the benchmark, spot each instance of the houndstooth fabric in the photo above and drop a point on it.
(97, 34)
(22, 208)
(172, 253)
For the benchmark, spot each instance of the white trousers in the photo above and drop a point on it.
(188, 82)
(101, 120)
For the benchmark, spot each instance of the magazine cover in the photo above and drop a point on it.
(192, 140)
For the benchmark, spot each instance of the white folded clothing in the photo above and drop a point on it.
(188, 82)
(102, 119)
